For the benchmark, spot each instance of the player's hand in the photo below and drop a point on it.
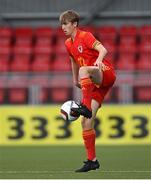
(77, 84)
(99, 64)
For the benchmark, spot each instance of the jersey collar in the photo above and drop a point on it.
(76, 36)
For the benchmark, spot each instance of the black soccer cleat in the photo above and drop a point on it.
(81, 110)
(89, 165)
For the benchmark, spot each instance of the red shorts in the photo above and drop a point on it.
(108, 80)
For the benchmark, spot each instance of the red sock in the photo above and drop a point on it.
(87, 87)
(89, 142)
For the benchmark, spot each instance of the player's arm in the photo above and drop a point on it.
(74, 66)
(92, 43)
(75, 72)
(102, 53)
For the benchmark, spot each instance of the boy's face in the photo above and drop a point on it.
(68, 28)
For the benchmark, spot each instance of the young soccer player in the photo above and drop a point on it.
(92, 73)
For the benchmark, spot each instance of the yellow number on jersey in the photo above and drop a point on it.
(81, 61)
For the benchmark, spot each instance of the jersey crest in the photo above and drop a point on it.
(80, 49)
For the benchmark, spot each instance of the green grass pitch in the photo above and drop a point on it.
(59, 162)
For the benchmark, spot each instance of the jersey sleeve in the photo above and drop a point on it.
(90, 41)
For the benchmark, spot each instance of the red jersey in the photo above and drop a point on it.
(83, 52)
(82, 48)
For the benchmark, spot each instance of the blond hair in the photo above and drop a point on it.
(69, 16)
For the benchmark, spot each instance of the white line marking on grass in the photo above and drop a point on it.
(130, 171)
(54, 172)
(33, 172)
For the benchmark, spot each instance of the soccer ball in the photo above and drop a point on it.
(66, 109)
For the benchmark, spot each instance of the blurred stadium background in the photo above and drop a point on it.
(35, 79)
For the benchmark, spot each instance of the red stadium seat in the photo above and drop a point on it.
(128, 30)
(43, 57)
(60, 94)
(59, 33)
(6, 34)
(43, 50)
(126, 64)
(144, 63)
(24, 35)
(145, 47)
(128, 34)
(145, 33)
(3, 92)
(21, 58)
(60, 41)
(112, 49)
(143, 94)
(41, 65)
(44, 35)
(18, 93)
(5, 54)
(60, 47)
(22, 51)
(107, 33)
(127, 55)
(61, 63)
(20, 64)
(124, 48)
(4, 66)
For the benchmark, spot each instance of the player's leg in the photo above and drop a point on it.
(89, 140)
(89, 76)
(106, 80)
(89, 132)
